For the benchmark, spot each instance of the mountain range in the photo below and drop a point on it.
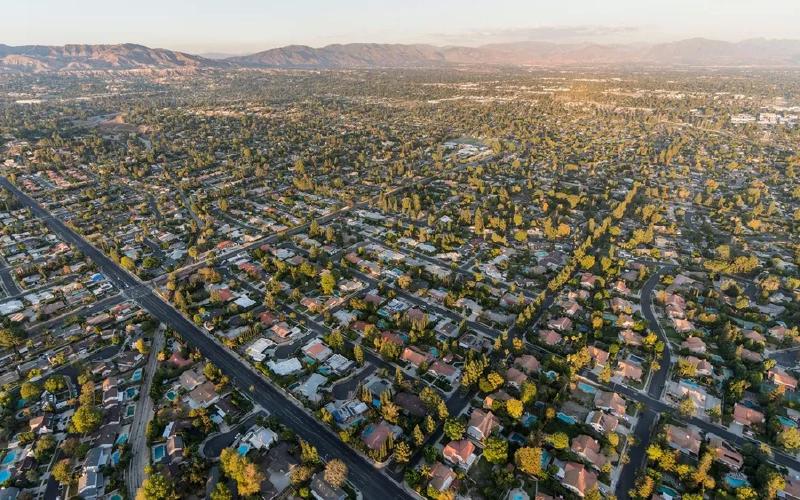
(691, 52)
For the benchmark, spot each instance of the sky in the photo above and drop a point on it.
(246, 26)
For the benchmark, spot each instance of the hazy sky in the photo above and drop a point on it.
(240, 26)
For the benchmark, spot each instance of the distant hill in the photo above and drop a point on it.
(126, 56)
(696, 52)
(691, 52)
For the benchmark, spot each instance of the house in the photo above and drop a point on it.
(628, 370)
(442, 477)
(599, 356)
(43, 424)
(323, 490)
(701, 366)
(780, 377)
(589, 448)
(317, 350)
(578, 479)
(527, 363)
(191, 379)
(747, 416)
(630, 338)
(482, 424)
(203, 396)
(448, 372)
(415, 356)
(95, 459)
(602, 422)
(562, 324)
(515, 377)
(684, 439)
(610, 402)
(411, 404)
(588, 280)
(495, 397)
(175, 448)
(682, 325)
(90, 485)
(460, 453)
(285, 367)
(549, 337)
(694, 344)
(374, 436)
(725, 454)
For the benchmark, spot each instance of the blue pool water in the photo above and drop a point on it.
(159, 451)
(528, 420)
(171, 395)
(588, 389)
(9, 458)
(115, 457)
(735, 480)
(545, 459)
(5, 475)
(122, 439)
(667, 491)
(130, 410)
(115, 496)
(518, 496)
(786, 422)
(243, 449)
(137, 375)
(131, 392)
(566, 418)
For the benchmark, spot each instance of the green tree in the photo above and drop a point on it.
(789, 438)
(402, 452)
(454, 429)
(529, 460)
(495, 450)
(86, 419)
(62, 471)
(157, 487)
(247, 476)
(327, 282)
(30, 391)
(221, 492)
(335, 473)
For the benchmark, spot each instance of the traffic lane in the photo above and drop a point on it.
(366, 478)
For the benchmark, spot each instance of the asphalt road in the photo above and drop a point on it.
(371, 482)
(649, 416)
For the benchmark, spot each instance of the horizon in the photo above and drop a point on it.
(247, 26)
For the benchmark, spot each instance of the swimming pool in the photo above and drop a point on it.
(158, 452)
(122, 439)
(171, 395)
(115, 457)
(588, 389)
(115, 496)
(5, 475)
(735, 480)
(131, 392)
(786, 422)
(243, 449)
(137, 375)
(9, 458)
(566, 418)
(130, 411)
(666, 490)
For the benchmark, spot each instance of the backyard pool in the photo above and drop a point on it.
(115, 457)
(115, 496)
(735, 480)
(130, 411)
(588, 389)
(666, 490)
(131, 392)
(786, 422)
(171, 395)
(158, 452)
(243, 449)
(5, 475)
(9, 458)
(137, 375)
(566, 418)
(122, 439)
